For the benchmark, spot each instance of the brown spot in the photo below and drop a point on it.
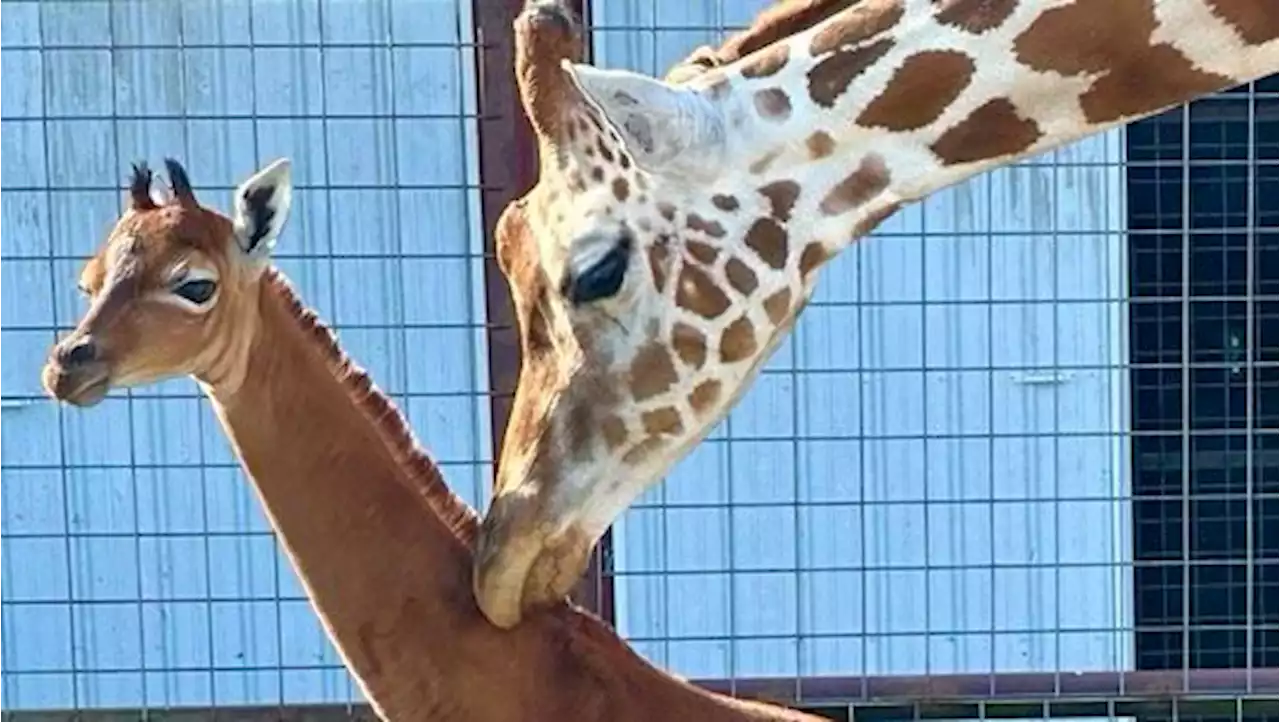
(652, 371)
(992, 130)
(571, 133)
(697, 292)
(595, 122)
(814, 255)
(761, 164)
(741, 277)
(769, 241)
(875, 218)
(724, 202)
(583, 125)
(576, 182)
(614, 430)
(696, 222)
(658, 262)
(1254, 20)
(920, 89)
(690, 345)
(665, 420)
(782, 197)
(624, 160)
(773, 103)
(831, 76)
(738, 341)
(820, 144)
(777, 305)
(597, 174)
(605, 153)
(975, 16)
(765, 62)
(861, 22)
(621, 189)
(667, 210)
(704, 395)
(643, 450)
(702, 252)
(589, 152)
(870, 178)
(1114, 39)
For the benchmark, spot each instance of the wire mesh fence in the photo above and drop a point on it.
(1017, 460)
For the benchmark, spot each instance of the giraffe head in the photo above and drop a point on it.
(173, 290)
(649, 286)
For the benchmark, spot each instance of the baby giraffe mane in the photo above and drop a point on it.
(394, 431)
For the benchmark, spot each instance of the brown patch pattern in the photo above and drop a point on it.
(864, 20)
(702, 252)
(782, 197)
(870, 178)
(920, 89)
(696, 222)
(652, 371)
(696, 292)
(1113, 39)
(765, 62)
(621, 189)
(814, 255)
(975, 16)
(667, 210)
(643, 450)
(665, 420)
(992, 130)
(875, 218)
(614, 431)
(738, 340)
(1255, 21)
(704, 396)
(761, 164)
(773, 104)
(724, 202)
(769, 241)
(777, 305)
(820, 144)
(831, 76)
(659, 259)
(690, 345)
(741, 277)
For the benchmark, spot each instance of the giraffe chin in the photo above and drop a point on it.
(519, 569)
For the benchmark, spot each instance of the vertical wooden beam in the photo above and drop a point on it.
(508, 168)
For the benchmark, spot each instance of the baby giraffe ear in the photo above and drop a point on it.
(260, 208)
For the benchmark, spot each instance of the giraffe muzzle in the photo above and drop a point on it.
(522, 564)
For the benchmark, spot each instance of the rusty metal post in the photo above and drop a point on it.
(508, 168)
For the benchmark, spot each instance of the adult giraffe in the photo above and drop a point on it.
(675, 230)
(381, 545)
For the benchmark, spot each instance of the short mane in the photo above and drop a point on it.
(395, 432)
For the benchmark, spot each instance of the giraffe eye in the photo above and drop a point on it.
(198, 291)
(602, 280)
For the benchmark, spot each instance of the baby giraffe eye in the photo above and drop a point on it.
(197, 291)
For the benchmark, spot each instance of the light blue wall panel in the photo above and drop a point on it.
(138, 569)
(925, 478)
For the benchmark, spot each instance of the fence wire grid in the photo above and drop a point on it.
(1018, 458)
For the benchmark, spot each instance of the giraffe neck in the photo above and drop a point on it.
(890, 100)
(384, 550)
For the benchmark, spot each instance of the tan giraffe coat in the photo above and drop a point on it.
(383, 548)
(676, 229)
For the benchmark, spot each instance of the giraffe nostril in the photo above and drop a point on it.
(81, 352)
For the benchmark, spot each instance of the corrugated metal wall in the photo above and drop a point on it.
(924, 479)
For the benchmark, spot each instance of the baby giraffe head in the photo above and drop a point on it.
(173, 290)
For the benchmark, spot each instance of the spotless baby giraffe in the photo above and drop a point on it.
(678, 227)
(381, 545)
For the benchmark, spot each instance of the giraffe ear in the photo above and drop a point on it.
(667, 129)
(260, 208)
